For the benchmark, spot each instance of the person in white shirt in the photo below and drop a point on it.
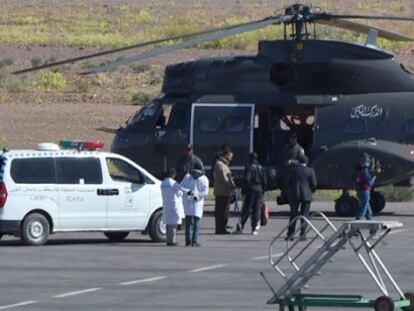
(172, 211)
(195, 188)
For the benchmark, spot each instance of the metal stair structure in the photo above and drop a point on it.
(361, 236)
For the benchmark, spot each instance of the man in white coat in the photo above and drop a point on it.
(172, 211)
(195, 188)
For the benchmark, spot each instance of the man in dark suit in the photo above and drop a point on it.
(300, 184)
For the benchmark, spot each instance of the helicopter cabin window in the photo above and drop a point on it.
(208, 125)
(410, 127)
(355, 126)
(234, 125)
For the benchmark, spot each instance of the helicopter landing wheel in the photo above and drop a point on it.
(346, 206)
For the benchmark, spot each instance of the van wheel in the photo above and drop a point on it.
(156, 228)
(35, 229)
(116, 236)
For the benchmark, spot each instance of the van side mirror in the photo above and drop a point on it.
(138, 179)
(141, 179)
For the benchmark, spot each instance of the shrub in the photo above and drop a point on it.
(13, 84)
(87, 64)
(139, 68)
(6, 62)
(83, 87)
(36, 61)
(50, 82)
(140, 98)
(398, 194)
(136, 97)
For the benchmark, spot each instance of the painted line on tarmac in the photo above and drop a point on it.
(156, 278)
(208, 268)
(266, 257)
(401, 230)
(20, 304)
(79, 292)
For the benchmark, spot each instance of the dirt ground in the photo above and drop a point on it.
(24, 123)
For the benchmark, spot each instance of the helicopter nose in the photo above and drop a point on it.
(119, 141)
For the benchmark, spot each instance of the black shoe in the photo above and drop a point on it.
(172, 244)
(289, 238)
(223, 232)
(196, 245)
(187, 244)
(302, 238)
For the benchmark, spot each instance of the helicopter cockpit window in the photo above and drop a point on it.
(147, 112)
(208, 125)
(178, 117)
(234, 125)
(164, 117)
(355, 126)
(171, 118)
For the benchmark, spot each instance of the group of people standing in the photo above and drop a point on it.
(184, 200)
(186, 186)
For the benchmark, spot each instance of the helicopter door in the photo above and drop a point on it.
(213, 125)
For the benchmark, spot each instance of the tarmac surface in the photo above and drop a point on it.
(87, 272)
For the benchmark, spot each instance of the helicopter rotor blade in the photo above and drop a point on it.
(362, 28)
(138, 45)
(328, 16)
(219, 34)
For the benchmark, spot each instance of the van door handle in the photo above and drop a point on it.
(108, 192)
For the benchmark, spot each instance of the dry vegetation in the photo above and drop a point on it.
(37, 32)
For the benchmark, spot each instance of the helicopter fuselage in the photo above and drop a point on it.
(342, 99)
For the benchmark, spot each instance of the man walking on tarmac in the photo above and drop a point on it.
(254, 185)
(292, 152)
(301, 184)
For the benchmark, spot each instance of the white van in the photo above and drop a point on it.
(51, 190)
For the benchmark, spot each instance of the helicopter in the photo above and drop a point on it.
(344, 100)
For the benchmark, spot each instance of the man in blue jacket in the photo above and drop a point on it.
(364, 182)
